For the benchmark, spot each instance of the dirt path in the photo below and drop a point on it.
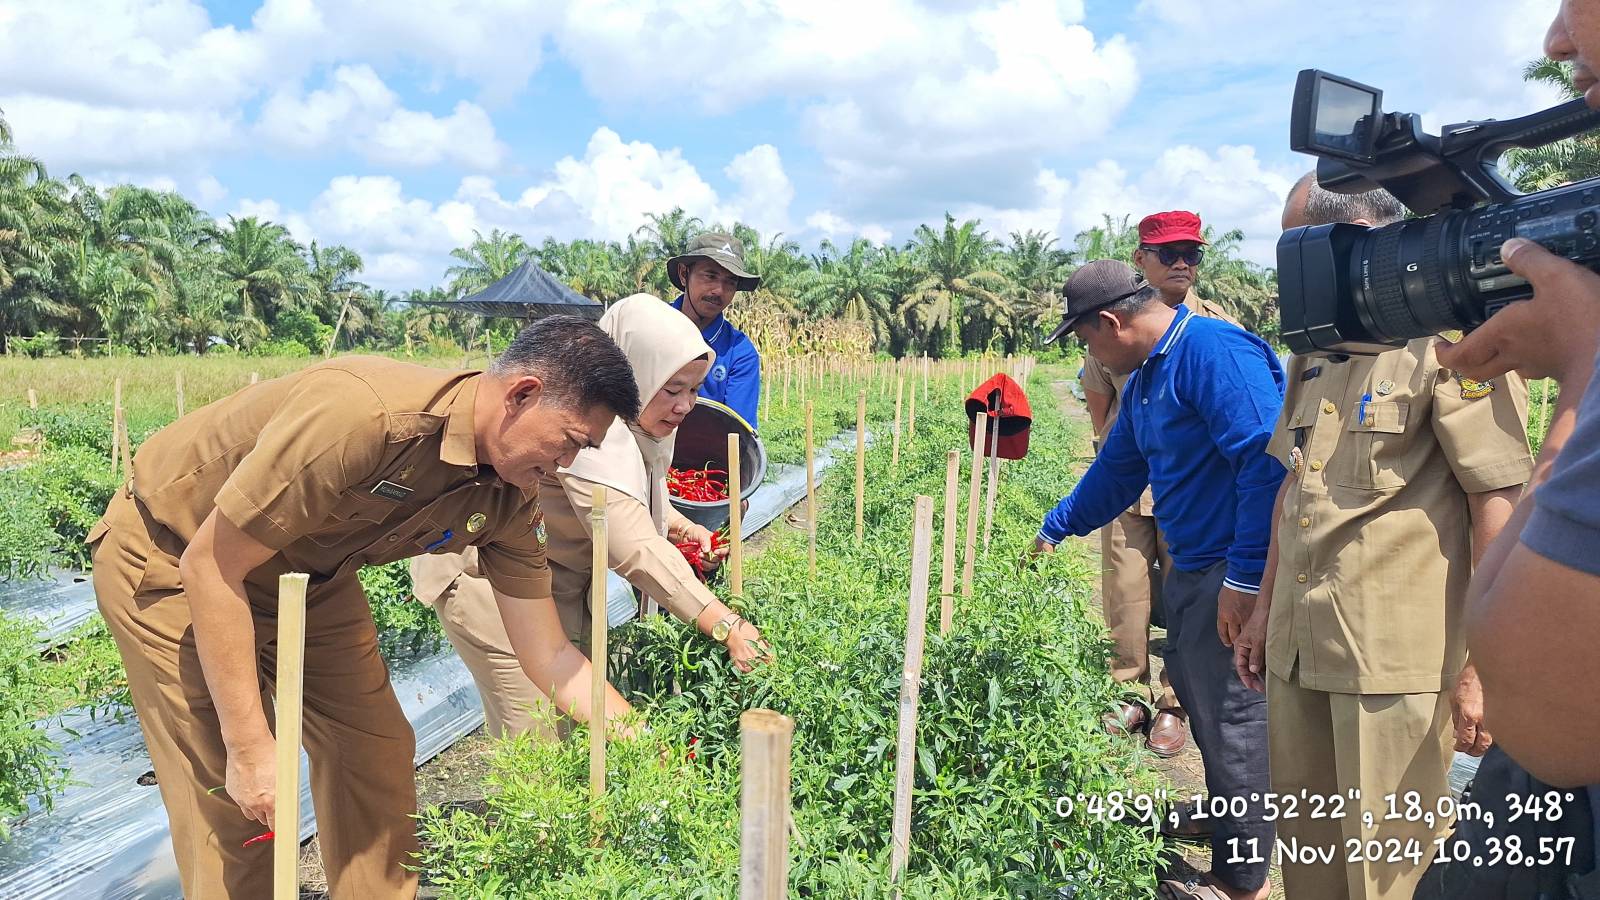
(1185, 772)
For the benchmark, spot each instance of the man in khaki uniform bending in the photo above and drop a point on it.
(1401, 473)
(1169, 255)
(352, 462)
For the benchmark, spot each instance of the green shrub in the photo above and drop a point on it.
(1009, 722)
(29, 767)
(403, 623)
(85, 425)
(282, 348)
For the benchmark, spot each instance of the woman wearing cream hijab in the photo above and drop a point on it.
(669, 359)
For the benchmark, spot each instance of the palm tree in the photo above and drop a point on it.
(1563, 162)
(485, 261)
(265, 268)
(665, 235)
(1112, 239)
(959, 297)
(852, 286)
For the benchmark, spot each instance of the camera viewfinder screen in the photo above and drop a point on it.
(1344, 117)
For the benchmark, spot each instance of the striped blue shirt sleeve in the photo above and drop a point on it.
(1116, 478)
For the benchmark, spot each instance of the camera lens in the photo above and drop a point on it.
(1401, 278)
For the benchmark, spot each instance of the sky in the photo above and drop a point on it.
(399, 128)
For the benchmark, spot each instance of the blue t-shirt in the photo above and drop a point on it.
(735, 379)
(1565, 523)
(1195, 422)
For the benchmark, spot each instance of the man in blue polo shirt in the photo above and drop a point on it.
(1198, 412)
(709, 274)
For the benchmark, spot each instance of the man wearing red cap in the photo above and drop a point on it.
(1131, 548)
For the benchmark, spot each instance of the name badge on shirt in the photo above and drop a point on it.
(388, 490)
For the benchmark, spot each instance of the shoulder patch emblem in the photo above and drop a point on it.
(1474, 390)
(539, 532)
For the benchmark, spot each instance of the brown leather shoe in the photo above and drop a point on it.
(1126, 719)
(1169, 734)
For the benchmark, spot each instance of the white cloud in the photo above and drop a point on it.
(1228, 188)
(824, 224)
(605, 195)
(71, 136)
(358, 113)
(764, 189)
(271, 211)
(901, 98)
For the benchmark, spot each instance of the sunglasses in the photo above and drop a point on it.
(1170, 255)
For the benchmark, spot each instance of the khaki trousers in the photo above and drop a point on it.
(511, 702)
(1327, 744)
(1130, 547)
(361, 746)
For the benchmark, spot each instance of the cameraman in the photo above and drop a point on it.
(1533, 608)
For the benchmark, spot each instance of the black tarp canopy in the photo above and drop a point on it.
(527, 293)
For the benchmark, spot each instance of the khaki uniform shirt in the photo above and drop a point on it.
(353, 462)
(1375, 539)
(1099, 378)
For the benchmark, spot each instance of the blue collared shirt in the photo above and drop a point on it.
(735, 379)
(1196, 418)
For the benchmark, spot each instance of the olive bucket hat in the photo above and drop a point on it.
(723, 249)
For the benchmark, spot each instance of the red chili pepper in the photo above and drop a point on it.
(699, 485)
(692, 742)
(696, 555)
(259, 839)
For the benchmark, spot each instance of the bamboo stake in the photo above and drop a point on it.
(255, 377)
(286, 709)
(947, 572)
(116, 423)
(973, 484)
(599, 563)
(33, 399)
(911, 687)
(766, 393)
(811, 495)
(127, 453)
(179, 377)
(899, 399)
(861, 465)
(735, 520)
(911, 416)
(764, 742)
(924, 378)
(994, 478)
(788, 376)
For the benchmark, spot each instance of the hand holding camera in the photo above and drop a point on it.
(1555, 334)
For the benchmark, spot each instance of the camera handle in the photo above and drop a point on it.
(1475, 148)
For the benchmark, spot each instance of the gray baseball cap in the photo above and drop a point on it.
(723, 249)
(1095, 285)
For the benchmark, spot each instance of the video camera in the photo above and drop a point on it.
(1356, 290)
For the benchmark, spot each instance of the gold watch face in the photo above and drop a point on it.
(720, 631)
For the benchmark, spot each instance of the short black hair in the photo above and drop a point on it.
(579, 364)
(1127, 307)
(1324, 207)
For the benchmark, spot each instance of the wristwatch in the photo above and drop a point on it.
(724, 627)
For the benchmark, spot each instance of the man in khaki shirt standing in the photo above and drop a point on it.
(1169, 254)
(352, 462)
(1401, 473)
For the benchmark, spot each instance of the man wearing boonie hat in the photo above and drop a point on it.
(1133, 556)
(1203, 398)
(710, 273)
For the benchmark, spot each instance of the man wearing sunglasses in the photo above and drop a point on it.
(1133, 554)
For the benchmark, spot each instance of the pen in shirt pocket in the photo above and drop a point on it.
(1361, 413)
(448, 534)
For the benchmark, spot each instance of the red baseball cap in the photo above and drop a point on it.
(1002, 404)
(1167, 227)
